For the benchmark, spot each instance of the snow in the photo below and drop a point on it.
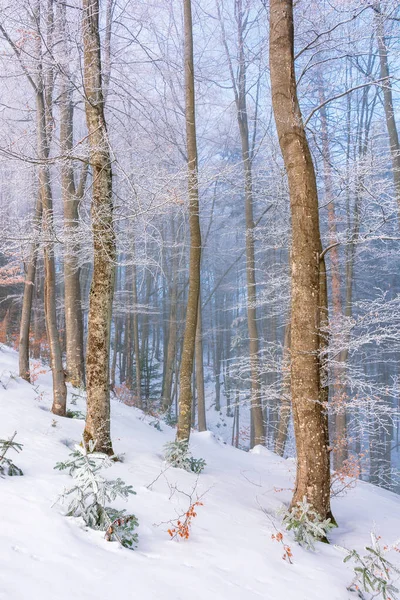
(229, 555)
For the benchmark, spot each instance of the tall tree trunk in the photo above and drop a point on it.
(136, 344)
(340, 452)
(26, 313)
(185, 381)
(309, 411)
(97, 425)
(201, 400)
(284, 405)
(71, 197)
(239, 86)
(172, 331)
(388, 99)
(44, 99)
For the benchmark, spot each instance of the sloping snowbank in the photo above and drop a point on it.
(230, 554)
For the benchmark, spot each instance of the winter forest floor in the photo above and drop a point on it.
(230, 554)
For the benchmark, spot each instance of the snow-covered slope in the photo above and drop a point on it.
(230, 554)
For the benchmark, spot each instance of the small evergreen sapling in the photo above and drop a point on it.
(373, 573)
(6, 464)
(90, 495)
(177, 455)
(307, 525)
(74, 414)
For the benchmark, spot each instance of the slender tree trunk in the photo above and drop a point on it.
(172, 333)
(71, 197)
(284, 405)
(136, 344)
(340, 452)
(188, 349)
(44, 98)
(309, 411)
(201, 400)
(239, 86)
(97, 427)
(26, 313)
(388, 99)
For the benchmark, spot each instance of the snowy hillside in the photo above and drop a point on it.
(230, 554)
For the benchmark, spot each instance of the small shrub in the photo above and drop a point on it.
(345, 478)
(122, 528)
(177, 455)
(306, 524)
(181, 529)
(170, 419)
(36, 370)
(156, 424)
(74, 414)
(89, 497)
(373, 573)
(287, 552)
(6, 464)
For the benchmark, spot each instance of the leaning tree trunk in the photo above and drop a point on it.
(309, 410)
(186, 371)
(97, 425)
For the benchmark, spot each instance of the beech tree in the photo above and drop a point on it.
(97, 427)
(188, 349)
(309, 408)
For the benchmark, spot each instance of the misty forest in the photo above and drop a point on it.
(199, 289)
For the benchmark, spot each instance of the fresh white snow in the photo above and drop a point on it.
(230, 554)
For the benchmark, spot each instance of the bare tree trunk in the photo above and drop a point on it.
(239, 86)
(38, 330)
(71, 197)
(309, 411)
(388, 99)
(128, 340)
(136, 345)
(201, 400)
(172, 333)
(44, 98)
(185, 381)
(97, 425)
(284, 405)
(26, 313)
(340, 452)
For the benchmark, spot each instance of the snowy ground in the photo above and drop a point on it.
(230, 554)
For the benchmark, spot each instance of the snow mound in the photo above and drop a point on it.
(230, 554)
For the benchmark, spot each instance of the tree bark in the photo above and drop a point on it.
(172, 331)
(201, 400)
(284, 405)
(340, 448)
(309, 411)
(44, 99)
(26, 313)
(388, 99)
(239, 86)
(136, 344)
(188, 349)
(97, 425)
(71, 197)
